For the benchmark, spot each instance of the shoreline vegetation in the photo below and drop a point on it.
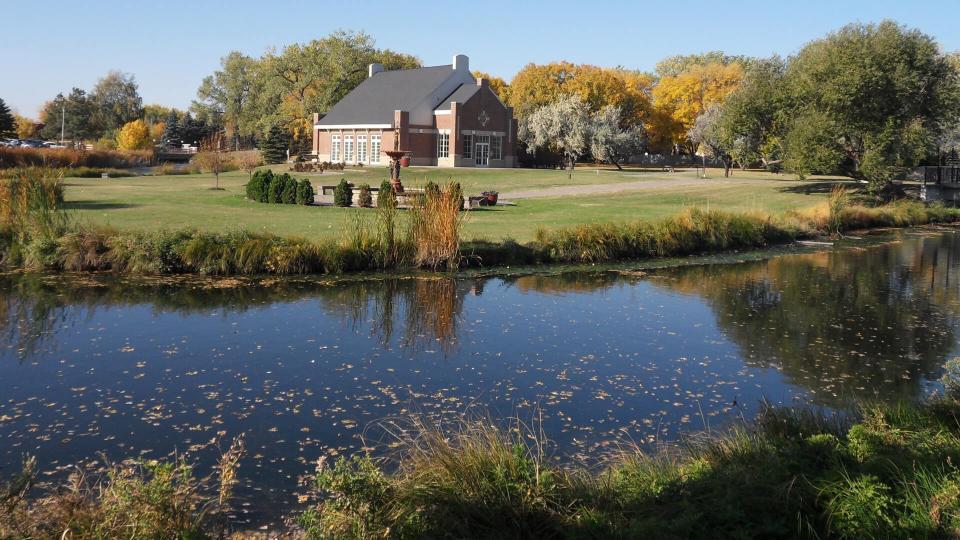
(36, 234)
(882, 471)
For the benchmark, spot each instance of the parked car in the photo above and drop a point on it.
(10, 142)
(53, 144)
(31, 143)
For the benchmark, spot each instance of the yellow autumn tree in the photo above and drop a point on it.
(601, 87)
(133, 136)
(156, 130)
(498, 85)
(537, 85)
(679, 99)
(26, 128)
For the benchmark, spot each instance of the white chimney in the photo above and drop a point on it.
(374, 69)
(461, 62)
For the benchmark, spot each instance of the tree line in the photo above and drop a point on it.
(866, 101)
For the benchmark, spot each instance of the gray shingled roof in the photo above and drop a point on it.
(375, 99)
(460, 95)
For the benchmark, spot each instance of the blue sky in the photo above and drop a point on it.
(171, 45)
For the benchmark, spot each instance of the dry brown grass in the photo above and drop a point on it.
(68, 157)
(130, 499)
(435, 225)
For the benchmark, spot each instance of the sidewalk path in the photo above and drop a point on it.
(644, 185)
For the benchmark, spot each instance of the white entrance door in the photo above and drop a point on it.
(483, 154)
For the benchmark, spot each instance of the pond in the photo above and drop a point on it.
(103, 367)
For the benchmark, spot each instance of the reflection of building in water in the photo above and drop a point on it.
(845, 324)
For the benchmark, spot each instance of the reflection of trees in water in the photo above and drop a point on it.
(27, 322)
(848, 324)
(427, 311)
(418, 312)
(567, 282)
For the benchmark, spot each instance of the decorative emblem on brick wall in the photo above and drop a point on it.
(483, 118)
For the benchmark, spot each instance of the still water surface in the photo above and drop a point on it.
(305, 368)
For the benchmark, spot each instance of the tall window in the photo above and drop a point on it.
(361, 148)
(348, 149)
(468, 146)
(443, 145)
(375, 149)
(496, 147)
(335, 148)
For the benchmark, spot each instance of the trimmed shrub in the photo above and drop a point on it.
(305, 192)
(259, 185)
(343, 194)
(289, 193)
(386, 198)
(364, 198)
(431, 190)
(275, 194)
(457, 191)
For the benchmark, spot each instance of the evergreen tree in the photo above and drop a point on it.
(172, 134)
(289, 193)
(386, 198)
(73, 113)
(274, 148)
(305, 192)
(193, 130)
(8, 125)
(343, 194)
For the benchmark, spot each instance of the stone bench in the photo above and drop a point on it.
(328, 190)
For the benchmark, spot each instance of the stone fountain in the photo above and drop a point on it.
(395, 156)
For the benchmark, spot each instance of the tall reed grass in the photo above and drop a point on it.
(435, 225)
(68, 157)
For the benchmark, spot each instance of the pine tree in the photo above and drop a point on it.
(8, 125)
(274, 148)
(343, 194)
(172, 134)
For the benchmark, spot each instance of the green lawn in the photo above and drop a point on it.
(151, 202)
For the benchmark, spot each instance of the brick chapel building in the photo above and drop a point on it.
(442, 115)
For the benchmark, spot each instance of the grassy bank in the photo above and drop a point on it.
(187, 202)
(789, 474)
(37, 234)
(884, 472)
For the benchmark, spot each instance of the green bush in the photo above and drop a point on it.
(275, 194)
(364, 198)
(289, 193)
(386, 197)
(431, 190)
(305, 192)
(259, 185)
(457, 191)
(343, 194)
(860, 508)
